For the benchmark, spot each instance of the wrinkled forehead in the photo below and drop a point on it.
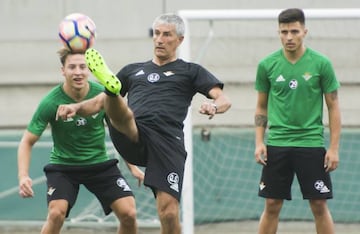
(161, 26)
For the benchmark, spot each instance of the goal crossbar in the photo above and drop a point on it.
(260, 14)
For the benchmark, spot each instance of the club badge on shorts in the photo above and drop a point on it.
(173, 180)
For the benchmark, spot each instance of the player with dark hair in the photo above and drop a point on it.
(79, 153)
(148, 130)
(291, 84)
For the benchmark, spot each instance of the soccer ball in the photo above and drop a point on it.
(77, 32)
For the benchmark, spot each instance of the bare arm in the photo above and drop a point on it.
(24, 155)
(261, 120)
(332, 154)
(84, 108)
(220, 103)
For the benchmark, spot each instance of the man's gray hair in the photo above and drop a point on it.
(170, 18)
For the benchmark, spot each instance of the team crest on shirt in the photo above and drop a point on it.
(293, 84)
(95, 115)
(153, 77)
(168, 73)
(173, 180)
(307, 76)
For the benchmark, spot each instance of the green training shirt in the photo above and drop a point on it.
(295, 97)
(76, 141)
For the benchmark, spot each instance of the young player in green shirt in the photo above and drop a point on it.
(291, 84)
(78, 155)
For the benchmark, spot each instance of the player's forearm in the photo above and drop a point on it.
(222, 103)
(335, 127)
(90, 106)
(260, 127)
(23, 159)
(332, 102)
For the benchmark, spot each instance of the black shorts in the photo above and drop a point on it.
(163, 156)
(103, 179)
(307, 163)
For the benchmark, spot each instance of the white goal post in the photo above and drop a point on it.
(184, 53)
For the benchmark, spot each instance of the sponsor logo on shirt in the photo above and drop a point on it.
(81, 121)
(139, 73)
(153, 77)
(280, 79)
(293, 84)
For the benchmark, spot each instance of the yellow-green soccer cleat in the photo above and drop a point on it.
(100, 70)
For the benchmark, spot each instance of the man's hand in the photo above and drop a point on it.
(208, 108)
(261, 154)
(137, 173)
(331, 160)
(66, 111)
(25, 184)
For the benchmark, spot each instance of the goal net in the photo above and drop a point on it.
(225, 184)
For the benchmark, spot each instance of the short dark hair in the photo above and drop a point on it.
(291, 15)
